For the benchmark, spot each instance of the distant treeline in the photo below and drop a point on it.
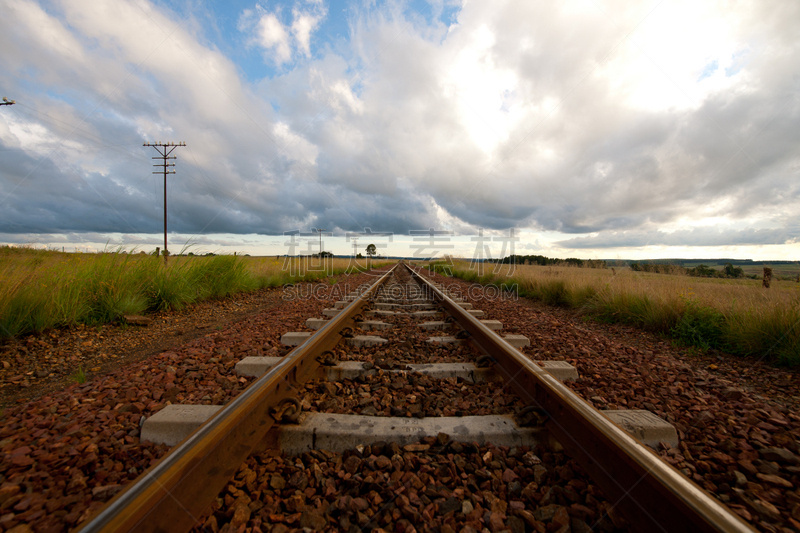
(700, 271)
(742, 262)
(659, 266)
(544, 261)
(729, 270)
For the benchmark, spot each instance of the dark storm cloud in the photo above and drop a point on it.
(693, 237)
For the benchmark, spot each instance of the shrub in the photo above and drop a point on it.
(700, 326)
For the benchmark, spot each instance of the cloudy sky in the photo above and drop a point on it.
(595, 128)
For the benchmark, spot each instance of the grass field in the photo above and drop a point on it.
(42, 289)
(736, 316)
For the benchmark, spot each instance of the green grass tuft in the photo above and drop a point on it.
(700, 326)
(79, 376)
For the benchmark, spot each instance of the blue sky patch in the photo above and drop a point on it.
(709, 70)
(737, 63)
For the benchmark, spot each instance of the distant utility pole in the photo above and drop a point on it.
(355, 246)
(320, 230)
(6, 101)
(164, 149)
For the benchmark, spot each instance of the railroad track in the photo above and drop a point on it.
(186, 484)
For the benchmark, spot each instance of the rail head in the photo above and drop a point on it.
(653, 495)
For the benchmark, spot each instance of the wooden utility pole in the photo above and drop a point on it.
(165, 149)
(320, 240)
(6, 101)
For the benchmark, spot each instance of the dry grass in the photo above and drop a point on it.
(41, 289)
(733, 315)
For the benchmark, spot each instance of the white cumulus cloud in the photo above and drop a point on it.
(283, 41)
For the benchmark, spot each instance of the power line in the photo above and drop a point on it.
(121, 148)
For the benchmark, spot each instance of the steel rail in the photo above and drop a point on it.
(174, 493)
(652, 495)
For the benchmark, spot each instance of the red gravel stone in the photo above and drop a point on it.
(430, 487)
